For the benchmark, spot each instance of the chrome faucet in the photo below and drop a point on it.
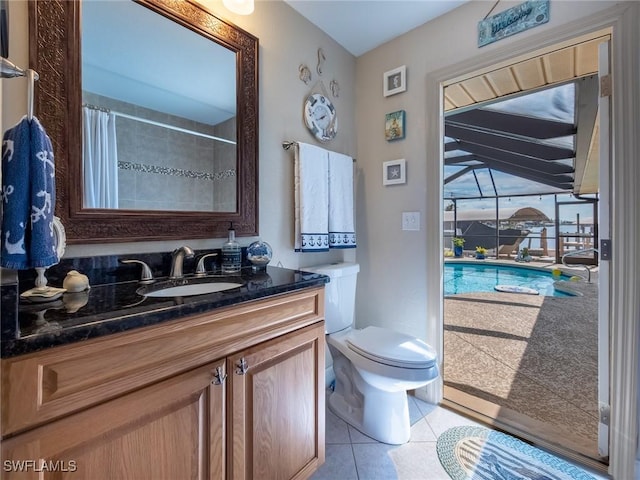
(200, 268)
(178, 256)
(146, 276)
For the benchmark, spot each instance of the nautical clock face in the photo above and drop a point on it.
(320, 117)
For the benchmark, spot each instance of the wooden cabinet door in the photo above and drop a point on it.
(276, 407)
(171, 430)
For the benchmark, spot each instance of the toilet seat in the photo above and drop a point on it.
(392, 348)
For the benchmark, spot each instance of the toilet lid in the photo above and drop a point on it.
(392, 348)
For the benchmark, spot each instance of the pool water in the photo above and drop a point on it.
(470, 278)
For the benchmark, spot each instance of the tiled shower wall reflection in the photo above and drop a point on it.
(164, 169)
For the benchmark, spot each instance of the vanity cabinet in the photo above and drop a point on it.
(234, 394)
(276, 421)
(171, 430)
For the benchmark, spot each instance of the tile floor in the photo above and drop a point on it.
(350, 455)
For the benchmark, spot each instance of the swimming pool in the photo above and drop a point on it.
(464, 277)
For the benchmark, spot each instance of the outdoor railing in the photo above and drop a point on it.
(580, 252)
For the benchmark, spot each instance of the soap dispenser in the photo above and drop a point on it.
(231, 253)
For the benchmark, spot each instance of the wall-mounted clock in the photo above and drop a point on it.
(320, 117)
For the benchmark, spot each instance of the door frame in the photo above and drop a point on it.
(620, 21)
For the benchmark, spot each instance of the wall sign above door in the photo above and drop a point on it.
(513, 20)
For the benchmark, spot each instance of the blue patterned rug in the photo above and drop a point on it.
(477, 453)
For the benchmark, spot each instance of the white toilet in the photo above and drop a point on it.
(374, 367)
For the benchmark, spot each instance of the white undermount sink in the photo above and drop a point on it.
(189, 289)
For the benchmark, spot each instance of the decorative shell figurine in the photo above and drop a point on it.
(335, 88)
(76, 282)
(305, 74)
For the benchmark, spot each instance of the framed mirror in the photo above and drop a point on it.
(197, 171)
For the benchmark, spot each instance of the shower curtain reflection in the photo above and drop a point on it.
(100, 158)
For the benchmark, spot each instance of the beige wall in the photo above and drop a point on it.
(12, 110)
(286, 40)
(393, 279)
(409, 299)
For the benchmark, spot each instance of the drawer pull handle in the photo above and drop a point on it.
(242, 367)
(219, 377)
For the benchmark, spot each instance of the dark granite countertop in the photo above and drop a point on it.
(116, 307)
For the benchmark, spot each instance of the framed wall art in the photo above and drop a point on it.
(394, 172)
(395, 81)
(394, 125)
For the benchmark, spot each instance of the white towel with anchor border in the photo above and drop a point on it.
(342, 232)
(311, 207)
(323, 190)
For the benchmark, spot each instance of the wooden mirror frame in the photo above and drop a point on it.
(55, 53)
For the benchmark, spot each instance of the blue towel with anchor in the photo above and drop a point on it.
(28, 197)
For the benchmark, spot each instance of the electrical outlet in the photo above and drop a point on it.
(411, 221)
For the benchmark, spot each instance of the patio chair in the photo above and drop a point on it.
(479, 234)
(512, 248)
(543, 251)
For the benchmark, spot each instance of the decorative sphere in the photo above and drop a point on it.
(259, 253)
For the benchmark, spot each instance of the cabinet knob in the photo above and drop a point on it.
(218, 377)
(242, 367)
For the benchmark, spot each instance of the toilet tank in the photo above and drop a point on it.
(340, 294)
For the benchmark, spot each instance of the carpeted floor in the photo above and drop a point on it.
(535, 355)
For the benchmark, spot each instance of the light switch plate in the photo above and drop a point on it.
(411, 221)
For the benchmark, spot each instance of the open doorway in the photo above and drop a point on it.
(526, 359)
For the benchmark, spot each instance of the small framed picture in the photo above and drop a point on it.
(395, 81)
(394, 172)
(394, 125)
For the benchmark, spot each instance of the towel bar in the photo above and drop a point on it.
(10, 70)
(288, 145)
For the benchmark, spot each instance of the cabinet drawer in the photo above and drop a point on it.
(46, 385)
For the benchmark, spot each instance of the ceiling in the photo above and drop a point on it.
(552, 68)
(362, 25)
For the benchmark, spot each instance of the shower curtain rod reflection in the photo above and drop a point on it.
(158, 124)
(287, 145)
